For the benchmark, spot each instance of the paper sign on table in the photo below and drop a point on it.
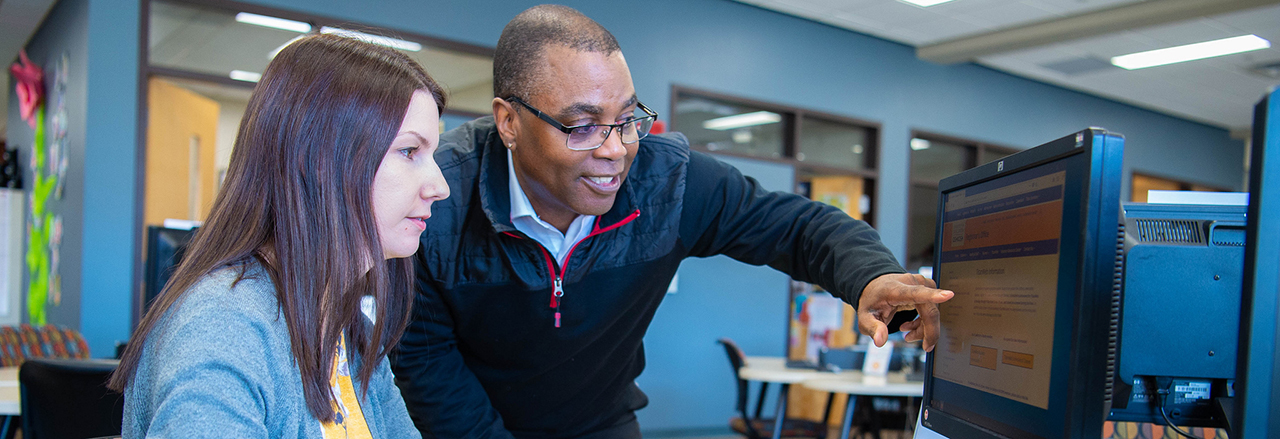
(877, 360)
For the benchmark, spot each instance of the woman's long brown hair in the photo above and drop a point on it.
(297, 200)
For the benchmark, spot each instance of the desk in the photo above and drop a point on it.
(855, 384)
(775, 370)
(9, 401)
(850, 382)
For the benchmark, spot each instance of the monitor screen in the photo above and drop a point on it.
(165, 248)
(1028, 244)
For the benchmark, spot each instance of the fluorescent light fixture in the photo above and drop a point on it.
(273, 22)
(742, 120)
(241, 75)
(919, 144)
(926, 3)
(1190, 52)
(375, 39)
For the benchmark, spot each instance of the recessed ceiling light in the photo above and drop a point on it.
(1190, 52)
(926, 3)
(273, 22)
(375, 39)
(742, 120)
(918, 144)
(241, 75)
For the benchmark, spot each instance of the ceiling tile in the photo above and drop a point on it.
(795, 6)
(861, 20)
(1107, 46)
(1189, 32)
(1258, 21)
(945, 29)
(892, 12)
(836, 5)
(1251, 60)
(1079, 66)
(1070, 7)
(1005, 15)
(1044, 54)
(966, 6)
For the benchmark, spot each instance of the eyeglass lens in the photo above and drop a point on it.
(592, 136)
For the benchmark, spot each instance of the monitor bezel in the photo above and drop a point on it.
(1258, 364)
(1088, 368)
(158, 237)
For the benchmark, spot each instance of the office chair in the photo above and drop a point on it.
(69, 399)
(757, 427)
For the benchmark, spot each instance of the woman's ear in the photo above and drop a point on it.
(504, 115)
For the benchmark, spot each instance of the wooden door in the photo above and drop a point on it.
(181, 149)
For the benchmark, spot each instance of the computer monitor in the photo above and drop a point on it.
(1258, 370)
(1179, 313)
(1028, 244)
(165, 247)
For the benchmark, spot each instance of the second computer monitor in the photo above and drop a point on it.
(1028, 243)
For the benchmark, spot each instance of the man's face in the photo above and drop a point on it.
(575, 88)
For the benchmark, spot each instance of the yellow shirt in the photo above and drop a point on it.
(350, 420)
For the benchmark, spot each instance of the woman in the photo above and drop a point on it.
(259, 332)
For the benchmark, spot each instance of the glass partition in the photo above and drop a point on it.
(203, 59)
(237, 45)
(720, 126)
(834, 143)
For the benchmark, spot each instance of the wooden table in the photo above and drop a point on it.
(9, 401)
(850, 382)
(855, 384)
(775, 370)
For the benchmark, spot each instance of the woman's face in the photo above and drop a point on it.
(408, 180)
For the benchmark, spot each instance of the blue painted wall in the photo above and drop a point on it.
(63, 32)
(110, 226)
(715, 45)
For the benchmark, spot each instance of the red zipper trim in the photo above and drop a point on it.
(555, 302)
(557, 279)
(597, 230)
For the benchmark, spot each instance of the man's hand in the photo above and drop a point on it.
(890, 293)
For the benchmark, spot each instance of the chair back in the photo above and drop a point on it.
(25, 341)
(69, 399)
(736, 360)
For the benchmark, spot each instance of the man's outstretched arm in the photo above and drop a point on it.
(730, 214)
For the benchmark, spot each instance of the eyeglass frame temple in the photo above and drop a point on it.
(569, 130)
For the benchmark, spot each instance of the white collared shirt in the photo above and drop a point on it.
(526, 220)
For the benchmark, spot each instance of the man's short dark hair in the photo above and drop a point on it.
(518, 61)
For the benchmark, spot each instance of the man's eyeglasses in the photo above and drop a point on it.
(590, 136)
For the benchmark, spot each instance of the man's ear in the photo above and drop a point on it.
(504, 115)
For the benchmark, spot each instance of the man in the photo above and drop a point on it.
(539, 277)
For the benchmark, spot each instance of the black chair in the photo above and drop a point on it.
(757, 427)
(69, 399)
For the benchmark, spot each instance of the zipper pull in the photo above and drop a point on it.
(556, 293)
